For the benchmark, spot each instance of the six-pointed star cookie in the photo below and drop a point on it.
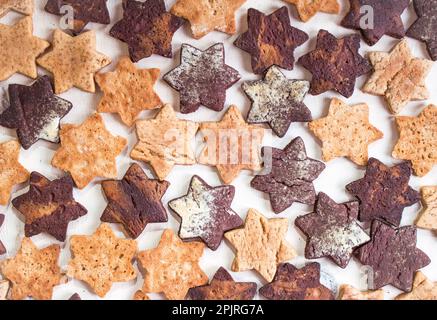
(165, 141)
(134, 201)
(102, 259)
(423, 289)
(392, 256)
(35, 112)
(384, 192)
(424, 27)
(375, 18)
(48, 206)
(147, 28)
(333, 230)
(202, 78)
(2, 247)
(21, 6)
(291, 283)
(223, 287)
(73, 61)
(428, 216)
(19, 49)
(231, 145)
(88, 151)
(308, 9)
(418, 140)
(346, 131)
(289, 177)
(32, 272)
(128, 90)
(270, 40)
(84, 11)
(208, 15)
(347, 292)
(277, 101)
(11, 171)
(172, 267)
(206, 212)
(398, 76)
(260, 245)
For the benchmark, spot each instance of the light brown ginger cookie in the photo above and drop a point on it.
(232, 145)
(398, 76)
(165, 141)
(128, 90)
(88, 151)
(172, 267)
(418, 140)
(208, 15)
(74, 61)
(11, 171)
(19, 49)
(261, 244)
(140, 296)
(102, 259)
(346, 132)
(20, 6)
(4, 289)
(348, 292)
(423, 289)
(32, 272)
(308, 8)
(427, 219)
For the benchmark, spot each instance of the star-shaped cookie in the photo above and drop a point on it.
(289, 177)
(277, 101)
(128, 91)
(32, 272)
(333, 230)
(398, 76)
(232, 145)
(208, 15)
(423, 289)
(206, 212)
(88, 151)
(165, 141)
(102, 259)
(270, 40)
(260, 244)
(427, 218)
(418, 139)
(223, 287)
(11, 171)
(172, 267)
(376, 18)
(2, 247)
(308, 9)
(392, 256)
(347, 292)
(291, 283)
(424, 27)
(83, 11)
(48, 206)
(21, 6)
(384, 192)
(335, 64)
(346, 132)
(35, 112)
(147, 28)
(134, 201)
(4, 290)
(73, 61)
(202, 78)
(19, 49)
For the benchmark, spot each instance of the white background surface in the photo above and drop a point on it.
(338, 173)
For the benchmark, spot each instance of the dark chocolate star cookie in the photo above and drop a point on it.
(425, 27)
(134, 201)
(48, 206)
(332, 230)
(270, 40)
(223, 287)
(35, 112)
(147, 28)
(335, 64)
(202, 78)
(289, 177)
(375, 18)
(75, 297)
(392, 256)
(384, 192)
(2, 247)
(206, 212)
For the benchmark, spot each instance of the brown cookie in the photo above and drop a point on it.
(428, 216)
(308, 9)
(4, 290)
(423, 289)
(22, 6)
(348, 292)
(2, 247)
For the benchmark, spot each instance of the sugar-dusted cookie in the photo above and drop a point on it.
(347, 292)
(308, 9)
